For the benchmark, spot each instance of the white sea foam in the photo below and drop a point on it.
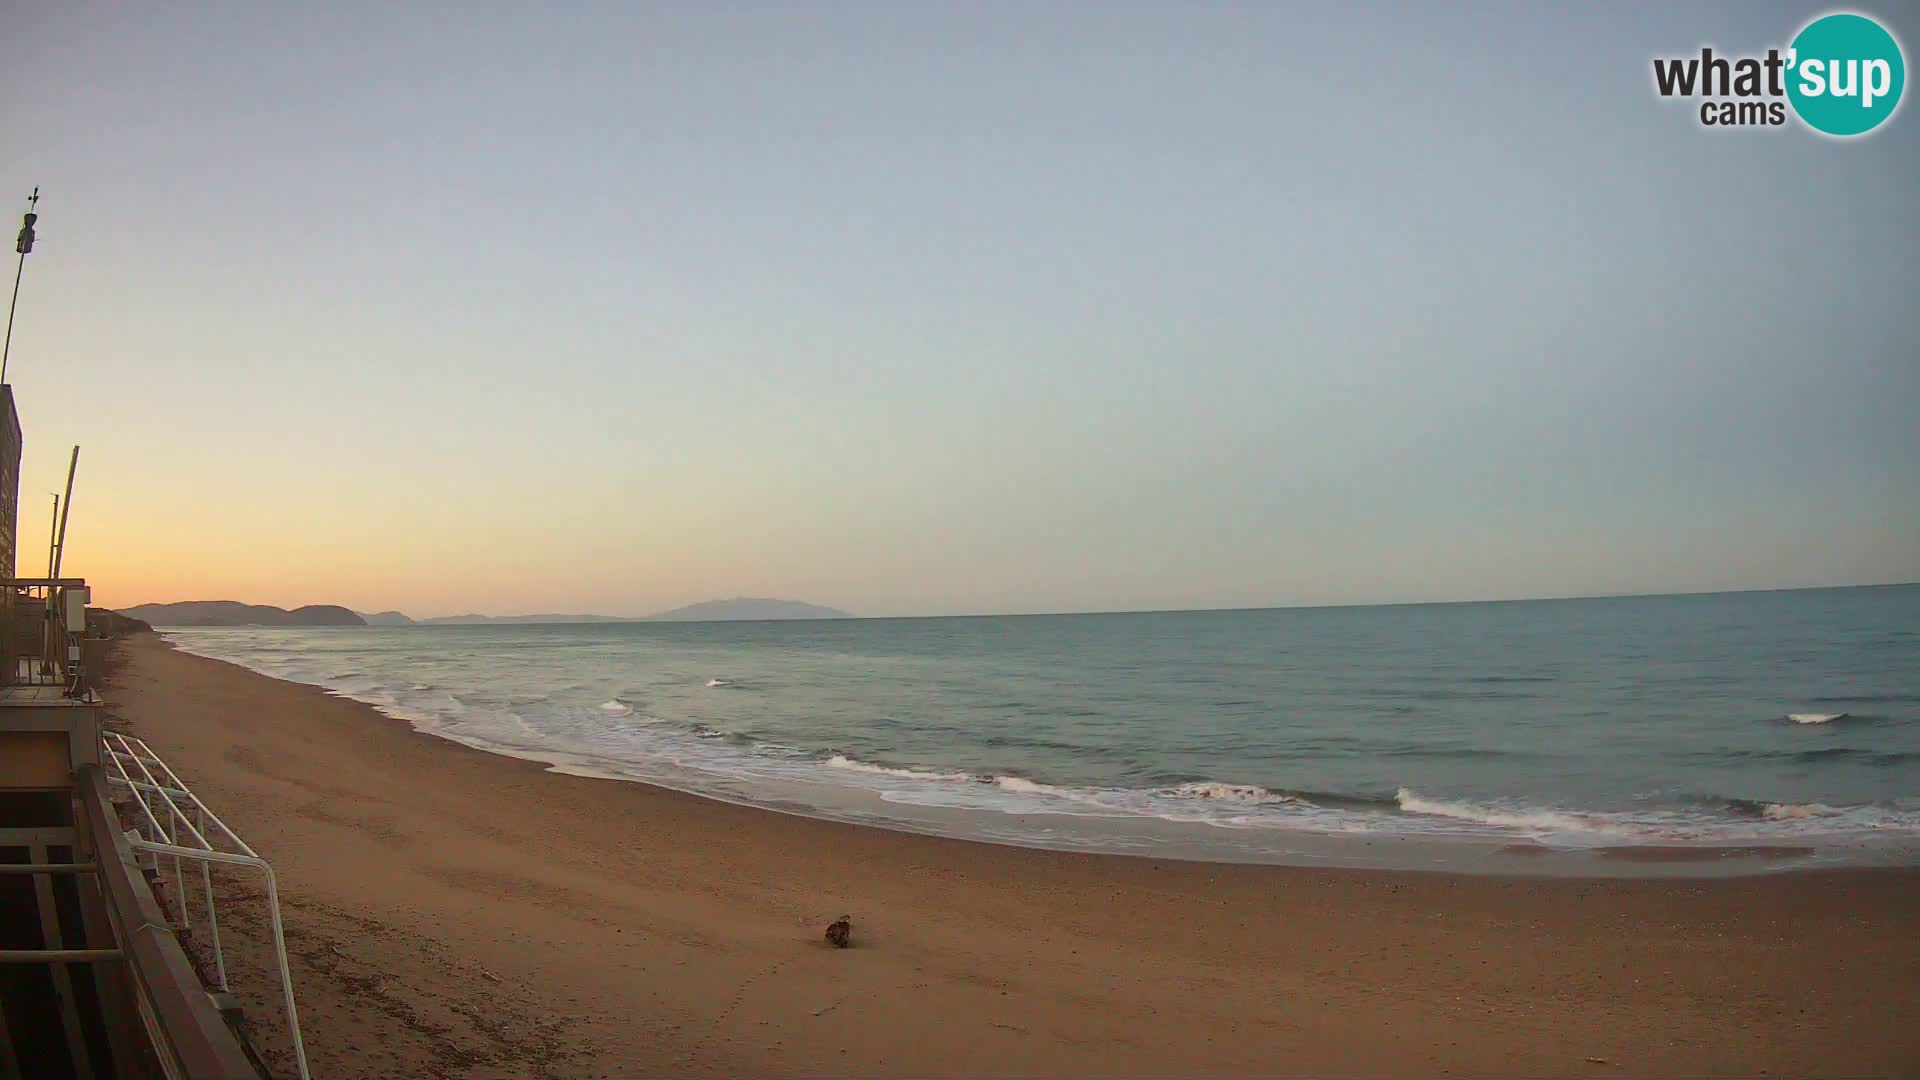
(1526, 819)
(842, 761)
(617, 707)
(1238, 793)
(1815, 718)
(1796, 811)
(1020, 785)
(1107, 801)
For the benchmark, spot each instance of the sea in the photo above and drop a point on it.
(1471, 736)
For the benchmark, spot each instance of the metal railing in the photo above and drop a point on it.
(174, 823)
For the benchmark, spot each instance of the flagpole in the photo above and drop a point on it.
(60, 545)
(23, 245)
(53, 527)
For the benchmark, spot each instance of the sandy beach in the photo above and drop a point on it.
(457, 913)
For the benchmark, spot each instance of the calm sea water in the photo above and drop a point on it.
(1786, 718)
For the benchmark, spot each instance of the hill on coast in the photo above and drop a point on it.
(113, 624)
(233, 613)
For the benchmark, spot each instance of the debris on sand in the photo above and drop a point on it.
(840, 933)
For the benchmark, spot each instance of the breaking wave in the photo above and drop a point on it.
(841, 761)
(1251, 794)
(1526, 819)
(1795, 811)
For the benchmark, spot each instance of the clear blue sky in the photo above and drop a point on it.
(950, 308)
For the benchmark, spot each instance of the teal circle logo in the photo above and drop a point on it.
(1845, 74)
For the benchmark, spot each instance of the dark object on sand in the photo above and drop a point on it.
(840, 934)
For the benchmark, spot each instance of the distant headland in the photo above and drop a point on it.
(233, 613)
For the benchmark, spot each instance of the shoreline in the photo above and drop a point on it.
(1426, 842)
(458, 912)
(1438, 854)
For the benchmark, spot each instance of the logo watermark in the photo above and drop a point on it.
(1842, 75)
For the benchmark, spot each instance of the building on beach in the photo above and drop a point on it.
(111, 963)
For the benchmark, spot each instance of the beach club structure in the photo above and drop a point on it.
(111, 962)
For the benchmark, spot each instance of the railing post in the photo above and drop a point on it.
(195, 845)
(286, 971)
(213, 919)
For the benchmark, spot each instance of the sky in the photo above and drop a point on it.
(948, 308)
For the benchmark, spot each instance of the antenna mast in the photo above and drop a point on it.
(23, 245)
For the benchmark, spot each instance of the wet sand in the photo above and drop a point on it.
(457, 913)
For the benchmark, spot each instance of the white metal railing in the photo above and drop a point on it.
(180, 830)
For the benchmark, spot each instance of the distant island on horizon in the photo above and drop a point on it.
(192, 613)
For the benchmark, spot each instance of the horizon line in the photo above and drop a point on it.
(846, 615)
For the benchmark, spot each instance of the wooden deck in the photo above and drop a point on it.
(41, 697)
